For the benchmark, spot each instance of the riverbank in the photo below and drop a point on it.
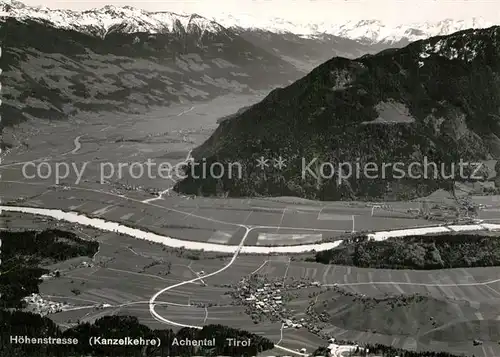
(75, 217)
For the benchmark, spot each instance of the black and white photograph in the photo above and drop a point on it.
(253, 178)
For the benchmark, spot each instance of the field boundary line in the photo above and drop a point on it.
(260, 267)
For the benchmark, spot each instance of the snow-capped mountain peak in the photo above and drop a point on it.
(103, 20)
(128, 19)
(12, 4)
(367, 31)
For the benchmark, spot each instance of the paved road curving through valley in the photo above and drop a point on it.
(98, 223)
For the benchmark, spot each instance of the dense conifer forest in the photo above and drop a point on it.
(23, 254)
(17, 323)
(417, 252)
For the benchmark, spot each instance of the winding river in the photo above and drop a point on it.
(75, 217)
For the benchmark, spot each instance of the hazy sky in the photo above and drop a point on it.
(393, 11)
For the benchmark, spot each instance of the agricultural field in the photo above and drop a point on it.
(443, 309)
(211, 220)
(393, 307)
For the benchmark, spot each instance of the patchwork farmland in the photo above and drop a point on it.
(126, 272)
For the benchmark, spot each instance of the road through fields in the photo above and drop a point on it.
(159, 318)
(114, 226)
(162, 319)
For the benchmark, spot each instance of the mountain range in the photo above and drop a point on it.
(436, 99)
(111, 19)
(369, 95)
(58, 63)
(304, 45)
(367, 31)
(66, 52)
(130, 20)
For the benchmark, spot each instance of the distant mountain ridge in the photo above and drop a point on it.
(100, 22)
(367, 31)
(128, 19)
(437, 98)
(55, 73)
(304, 45)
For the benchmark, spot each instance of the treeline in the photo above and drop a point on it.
(417, 252)
(19, 323)
(22, 253)
(380, 350)
(51, 244)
